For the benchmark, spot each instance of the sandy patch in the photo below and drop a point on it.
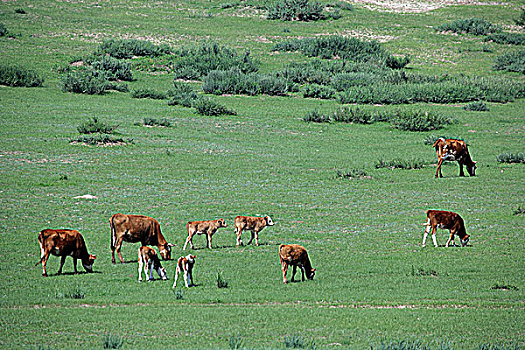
(415, 6)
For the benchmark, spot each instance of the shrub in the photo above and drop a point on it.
(419, 120)
(75, 293)
(353, 115)
(351, 174)
(521, 19)
(210, 107)
(519, 211)
(507, 38)
(14, 75)
(318, 91)
(478, 106)
(316, 117)
(297, 342)
(401, 163)
(234, 81)
(94, 125)
(504, 286)
(179, 295)
(198, 61)
(181, 94)
(20, 11)
(100, 139)
(127, 48)
(475, 26)
(164, 63)
(513, 346)
(296, 10)
(112, 341)
(156, 122)
(114, 68)
(3, 30)
(511, 62)
(84, 82)
(122, 87)
(511, 158)
(148, 93)
(422, 272)
(221, 282)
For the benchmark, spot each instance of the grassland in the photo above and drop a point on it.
(363, 235)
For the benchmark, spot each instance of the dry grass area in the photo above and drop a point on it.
(417, 6)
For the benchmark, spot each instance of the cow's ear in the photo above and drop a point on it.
(313, 269)
(93, 257)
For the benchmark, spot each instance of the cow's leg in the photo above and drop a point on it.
(425, 234)
(186, 277)
(294, 270)
(190, 273)
(62, 261)
(177, 270)
(284, 267)
(251, 237)
(434, 229)
(302, 273)
(141, 265)
(44, 262)
(150, 270)
(438, 169)
(118, 245)
(461, 173)
(451, 239)
(256, 238)
(208, 237)
(238, 232)
(189, 240)
(75, 265)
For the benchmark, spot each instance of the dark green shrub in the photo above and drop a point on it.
(343, 5)
(478, 106)
(181, 94)
(511, 158)
(127, 48)
(318, 91)
(148, 121)
(210, 107)
(84, 82)
(475, 26)
(296, 10)
(197, 61)
(511, 62)
(352, 174)
(115, 69)
(401, 163)
(13, 75)
(422, 272)
(20, 11)
(100, 139)
(121, 87)
(112, 341)
(353, 115)
(298, 342)
(234, 81)
(507, 38)
(96, 126)
(3, 30)
(521, 19)
(163, 63)
(419, 120)
(504, 286)
(316, 117)
(221, 282)
(148, 93)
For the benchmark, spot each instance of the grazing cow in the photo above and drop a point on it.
(185, 264)
(454, 150)
(149, 260)
(137, 228)
(63, 243)
(207, 228)
(253, 224)
(445, 220)
(295, 255)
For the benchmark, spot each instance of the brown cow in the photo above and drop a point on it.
(203, 227)
(445, 220)
(253, 224)
(149, 260)
(295, 255)
(137, 228)
(185, 264)
(63, 243)
(454, 150)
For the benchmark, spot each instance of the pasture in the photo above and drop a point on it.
(374, 282)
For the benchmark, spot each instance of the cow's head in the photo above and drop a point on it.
(471, 169)
(222, 223)
(465, 240)
(269, 221)
(88, 265)
(165, 252)
(310, 274)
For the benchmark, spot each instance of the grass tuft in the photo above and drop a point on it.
(221, 282)
(96, 126)
(510, 158)
(112, 341)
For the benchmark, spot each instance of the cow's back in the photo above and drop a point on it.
(292, 252)
(445, 219)
(136, 228)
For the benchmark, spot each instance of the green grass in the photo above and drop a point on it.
(374, 283)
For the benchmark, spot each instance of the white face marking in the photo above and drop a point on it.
(270, 222)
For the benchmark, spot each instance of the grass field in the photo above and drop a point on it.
(375, 285)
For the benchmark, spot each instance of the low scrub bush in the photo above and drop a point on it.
(221, 282)
(148, 93)
(296, 10)
(96, 126)
(112, 341)
(127, 48)
(121, 87)
(511, 62)
(14, 75)
(419, 120)
(20, 11)
(511, 158)
(478, 106)
(164, 63)
(234, 81)
(84, 82)
(181, 94)
(504, 286)
(318, 91)
(521, 19)
(351, 174)
(507, 38)
(353, 115)
(100, 139)
(401, 163)
(115, 69)
(156, 122)
(210, 107)
(3, 30)
(410, 345)
(422, 272)
(74, 293)
(475, 26)
(317, 117)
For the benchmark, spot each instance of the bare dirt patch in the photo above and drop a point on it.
(415, 6)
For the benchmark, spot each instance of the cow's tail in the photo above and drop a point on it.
(113, 233)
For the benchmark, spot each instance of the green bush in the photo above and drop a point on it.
(148, 121)
(419, 120)
(20, 11)
(85, 81)
(318, 91)
(475, 26)
(210, 107)
(401, 163)
(511, 158)
(296, 10)
(351, 174)
(316, 117)
(221, 282)
(181, 94)
(353, 115)
(163, 63)
(234, 81)
(96, 126)
(115, 69)
(112, 85)
(148, 93)
(478, 106)
(127, 48)
(511, 62)
(521, 19)
(507, 38)
(13, 75)
(100, 139)
(3, 30)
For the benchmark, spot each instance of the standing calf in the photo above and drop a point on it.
(207, 228)
(185, 264)
(63, 243)
(445, 220)
(149, 260)
(253, 224)
(454, 150)
(295, 255)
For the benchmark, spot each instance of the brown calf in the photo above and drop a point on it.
(63, 243)
(445, 220)
(185, 264)
(207, 228)
(149, 260)
(295, 255)
(454, 150)
(253, 224)
(137, 228)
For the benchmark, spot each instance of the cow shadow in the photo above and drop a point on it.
(72, 273)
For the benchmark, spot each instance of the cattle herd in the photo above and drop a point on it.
(146, 230)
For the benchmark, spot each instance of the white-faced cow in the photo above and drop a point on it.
(185, 265)
(295, 255)
(454, 150)
(137, 228)
(207, 228)
(251, 223)
(149, 261)
(64, 243)
(445, 220)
